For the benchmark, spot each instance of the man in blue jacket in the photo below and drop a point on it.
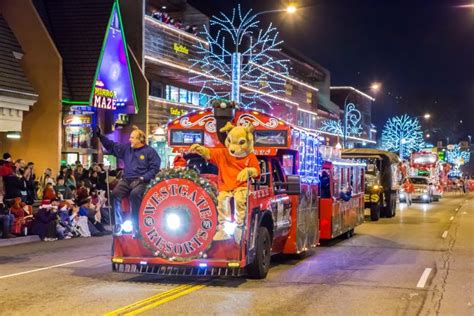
(141, 164)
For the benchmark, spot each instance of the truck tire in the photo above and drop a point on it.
(390, 209)
(258, 269)
(375, 212)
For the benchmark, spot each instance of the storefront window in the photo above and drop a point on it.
(203, 100)
(195, 98)
(172, 93)
(183, 96)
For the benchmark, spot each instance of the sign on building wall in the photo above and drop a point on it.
(113, 89)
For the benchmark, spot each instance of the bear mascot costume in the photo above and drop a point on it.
(236, 164)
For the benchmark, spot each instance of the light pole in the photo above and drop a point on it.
(349, 107)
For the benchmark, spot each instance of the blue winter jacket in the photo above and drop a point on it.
(138, 162)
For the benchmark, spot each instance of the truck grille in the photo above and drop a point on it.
(176, 270)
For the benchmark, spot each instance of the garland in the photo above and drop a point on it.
(186, 173)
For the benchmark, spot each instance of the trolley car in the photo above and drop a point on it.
(178, 217)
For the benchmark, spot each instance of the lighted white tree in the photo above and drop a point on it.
(240, 62)
(457, 156)
(332, 126)
(403, 135)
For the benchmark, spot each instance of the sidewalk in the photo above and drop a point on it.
(457, 285)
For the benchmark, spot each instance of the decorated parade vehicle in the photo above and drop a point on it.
(426, 164)
(342, 194)
(382, 180)
(239, 192)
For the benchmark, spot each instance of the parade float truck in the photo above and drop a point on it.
(178, 215)
(426, 164)
(382, 180)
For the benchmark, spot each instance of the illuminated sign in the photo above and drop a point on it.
(177, 112)
(113, 89)
(425, 159)
(180, 48)
(76, 120)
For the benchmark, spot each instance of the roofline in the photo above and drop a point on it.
(352, 89)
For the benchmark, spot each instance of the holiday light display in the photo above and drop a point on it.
(457, 156)
(402, 134)
(352, 120)
(332, 126)
(240, 63)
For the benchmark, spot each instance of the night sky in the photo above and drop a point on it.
(422, 51)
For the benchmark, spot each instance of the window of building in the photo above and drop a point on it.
(183, 96)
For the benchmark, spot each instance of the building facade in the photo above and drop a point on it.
(129, 62)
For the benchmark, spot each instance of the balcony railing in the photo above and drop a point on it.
(163, 41)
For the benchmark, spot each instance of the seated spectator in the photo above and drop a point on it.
(86, 208)
(23, 214)
(64, 227)
(44, 223)
(45, 179)
(49, 193)
(62, 190)
(6, 222)
(80, 224)
(69, 179)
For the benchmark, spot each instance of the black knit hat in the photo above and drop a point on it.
(6, 156)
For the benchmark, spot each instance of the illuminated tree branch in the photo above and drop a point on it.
(260, 71)
(403, 135)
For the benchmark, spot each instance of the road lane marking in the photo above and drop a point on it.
(40, 269)
(445, 234)
(165, 300)
(156, 300)
(424, 278)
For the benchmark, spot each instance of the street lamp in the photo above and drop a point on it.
(427, 116)
(375, 87)
(291, 9)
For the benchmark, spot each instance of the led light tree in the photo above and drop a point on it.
(457, 156)
(402, 134)
(240, 63)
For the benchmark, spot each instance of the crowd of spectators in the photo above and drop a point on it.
(72, 203)
(164, 17)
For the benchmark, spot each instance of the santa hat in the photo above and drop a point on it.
(46, 203)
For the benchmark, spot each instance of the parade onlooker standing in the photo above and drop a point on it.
(409, 189)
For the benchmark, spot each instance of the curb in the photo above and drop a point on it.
(18, 240)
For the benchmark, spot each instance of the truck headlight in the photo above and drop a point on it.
(127, 226)
(173, 221)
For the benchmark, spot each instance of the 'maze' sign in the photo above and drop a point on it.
(104, 99)
(113, 89)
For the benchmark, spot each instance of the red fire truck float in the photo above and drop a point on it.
(178, 217)
(426, 164)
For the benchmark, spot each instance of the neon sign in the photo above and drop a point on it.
(113, 88)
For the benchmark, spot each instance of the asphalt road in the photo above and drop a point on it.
(418, 263)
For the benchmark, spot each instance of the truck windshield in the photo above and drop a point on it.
(419, 180)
